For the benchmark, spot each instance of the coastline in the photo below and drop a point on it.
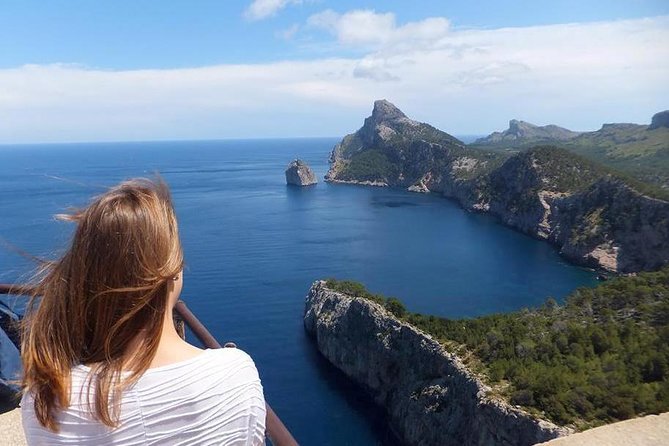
(357, 183)
(482, 210)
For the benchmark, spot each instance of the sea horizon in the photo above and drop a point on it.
(466, 138)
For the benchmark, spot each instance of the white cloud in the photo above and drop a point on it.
(288, 33)
(375, 69)
(463, 81)
(262, 9)
(367, 27)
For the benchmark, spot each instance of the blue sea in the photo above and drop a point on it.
(253, 246)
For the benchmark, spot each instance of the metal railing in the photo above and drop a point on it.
(276, 431)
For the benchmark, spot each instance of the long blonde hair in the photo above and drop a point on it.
(110, 286)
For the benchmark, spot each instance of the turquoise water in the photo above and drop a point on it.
(254, 245)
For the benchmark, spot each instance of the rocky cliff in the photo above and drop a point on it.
(431, 398)
(588, 212)
(593, 218)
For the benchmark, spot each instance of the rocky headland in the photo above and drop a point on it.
(431, 398)
(592, 215)
(299, 173)
(392, 150)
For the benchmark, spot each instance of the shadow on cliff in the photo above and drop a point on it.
(354, 395)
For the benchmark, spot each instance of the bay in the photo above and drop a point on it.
(253, 247)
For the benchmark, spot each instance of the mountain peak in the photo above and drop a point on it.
(386, 111)
(660, 119)
(516, 126)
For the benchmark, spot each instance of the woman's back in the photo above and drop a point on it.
(214, 398)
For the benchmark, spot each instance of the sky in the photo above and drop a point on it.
(81, 70)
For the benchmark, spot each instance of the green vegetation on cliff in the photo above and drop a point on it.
(601, 357)
(567, 172)
(357, 289)
(371, 165)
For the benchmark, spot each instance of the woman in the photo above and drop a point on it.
(102, 360)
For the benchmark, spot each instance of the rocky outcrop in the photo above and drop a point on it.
(524, 132)
(660, 119)
(299, 173)
(593, 218)
(391, 149)
(431, 398)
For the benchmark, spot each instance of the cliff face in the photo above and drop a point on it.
(612, 226)
(593, 218)
(430, 396)
(546, 192)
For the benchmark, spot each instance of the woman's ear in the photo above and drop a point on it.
(174, 287)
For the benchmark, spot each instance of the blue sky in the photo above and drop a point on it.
(75, 70)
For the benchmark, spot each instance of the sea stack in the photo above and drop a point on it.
(299, 173)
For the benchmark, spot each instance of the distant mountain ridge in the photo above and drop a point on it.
(593, 215)
(525, 132)
(641, 151)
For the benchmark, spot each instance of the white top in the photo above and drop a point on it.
(214, 398)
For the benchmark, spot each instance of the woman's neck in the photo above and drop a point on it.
(171, 348)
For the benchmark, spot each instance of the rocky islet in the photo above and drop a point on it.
(299, 173)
